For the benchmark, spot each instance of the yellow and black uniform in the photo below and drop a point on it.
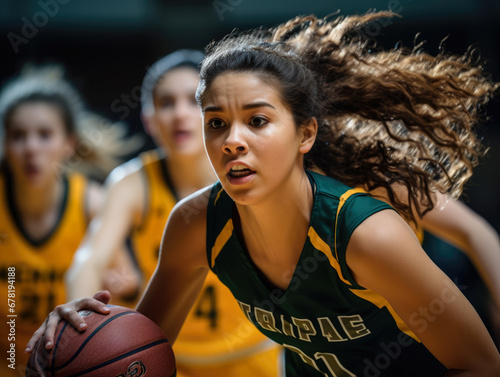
(216, 337)
(32, 271)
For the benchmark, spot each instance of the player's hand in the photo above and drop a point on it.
(69, 312)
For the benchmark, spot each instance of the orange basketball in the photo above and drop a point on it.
(123, 343)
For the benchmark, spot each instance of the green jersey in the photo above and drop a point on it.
(328, 324)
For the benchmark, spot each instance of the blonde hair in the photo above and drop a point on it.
(100, 143)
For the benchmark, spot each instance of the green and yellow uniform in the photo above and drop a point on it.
(328, 324)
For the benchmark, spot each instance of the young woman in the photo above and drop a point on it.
(334, 275)
(141, 194)
(45, 204)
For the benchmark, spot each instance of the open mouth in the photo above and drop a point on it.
(181, 136)
(31, 170)
(240, 171)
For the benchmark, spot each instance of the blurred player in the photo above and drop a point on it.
(45, 205)
(216, 338)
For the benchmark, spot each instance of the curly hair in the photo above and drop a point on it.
(386, 119)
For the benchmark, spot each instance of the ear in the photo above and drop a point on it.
(307, 133)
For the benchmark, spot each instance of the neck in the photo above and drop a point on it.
(276, 228)
(36, 201)
(190, 174)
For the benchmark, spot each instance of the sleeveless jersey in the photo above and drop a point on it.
(160, 199)
(215, 331)
(32, 271)
(328, 324)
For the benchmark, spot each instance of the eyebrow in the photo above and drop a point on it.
(247, 106)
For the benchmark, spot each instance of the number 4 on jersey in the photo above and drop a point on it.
(206, 306)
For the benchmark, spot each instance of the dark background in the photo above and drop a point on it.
(107, 46)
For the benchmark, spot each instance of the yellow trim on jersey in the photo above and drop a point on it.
(420, 234)
(221, 240)
(367, 294)
(379, 301)
(159, 202)
(343, 198)
(218, 196)
(322, 246)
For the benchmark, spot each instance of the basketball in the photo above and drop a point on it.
(123, 343)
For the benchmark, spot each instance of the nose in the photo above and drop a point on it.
(181, 109)
(236, 141)
(31, 143)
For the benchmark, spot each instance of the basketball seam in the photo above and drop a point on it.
(53, 368)
(56, 347)
(129, 353)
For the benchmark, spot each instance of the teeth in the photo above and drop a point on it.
(238, 167)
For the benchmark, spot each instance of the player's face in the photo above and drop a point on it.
(36, 143)
(251, 138)
(176, 120)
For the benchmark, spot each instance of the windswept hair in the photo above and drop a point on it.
(100, 143)
(398, 119)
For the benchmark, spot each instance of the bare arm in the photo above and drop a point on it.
(174, 287)
(462, 227)
(182, 266)
(388, 259)
(106, 234)
(95, 197)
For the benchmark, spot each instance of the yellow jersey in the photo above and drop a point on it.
(32, 271)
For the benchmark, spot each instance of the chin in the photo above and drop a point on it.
(240, 196)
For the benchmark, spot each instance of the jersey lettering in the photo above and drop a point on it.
(306, 359)
(329, 331)
(246, 309)
(266, 320)
(353, 326)
(287, 327)
(305, 328)
(333, 365)
(330, 360)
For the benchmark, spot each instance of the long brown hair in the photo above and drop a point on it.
(387, 119)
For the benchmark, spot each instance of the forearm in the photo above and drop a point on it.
(106, 235)
(462, 227)
(484, 251)
(166, 303)
(84, 278)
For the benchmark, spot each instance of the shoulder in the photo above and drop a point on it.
(126, 182)
(193, 208)
(381, 243)
(122, 172)
(186, 231)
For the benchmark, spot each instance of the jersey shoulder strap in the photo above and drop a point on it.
(343, 198)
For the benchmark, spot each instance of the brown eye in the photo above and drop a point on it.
(45, 134)
(216, 123)
(258, 121)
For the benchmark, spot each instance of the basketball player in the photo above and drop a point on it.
(45, 205)
(216, 339)
(334, 275)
